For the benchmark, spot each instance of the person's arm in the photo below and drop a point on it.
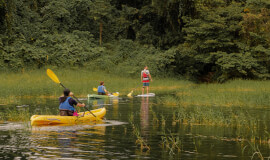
(150, 77)
(141, 77)
(80, 104)
(105, 90)
(73, 102)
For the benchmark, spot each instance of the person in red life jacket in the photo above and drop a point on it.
(145, 77)
(67, 104)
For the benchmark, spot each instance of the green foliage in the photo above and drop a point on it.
(62, 49)
(201, 40)
(213, 49)
(128, 57)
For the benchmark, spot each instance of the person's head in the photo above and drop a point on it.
(145, 67)
(101, 83)
(66, 92)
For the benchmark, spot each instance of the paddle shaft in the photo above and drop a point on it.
(134, 89)
(78, 100)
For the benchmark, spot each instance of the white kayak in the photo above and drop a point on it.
(147, 95)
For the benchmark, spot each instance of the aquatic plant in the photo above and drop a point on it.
(254, 149)
(196, 143)
(144, 147)
(140, 140)
(168, 100)
(163, 120)
(17, 115)
(215, 116)
(131, 118)
(171, 142)
(155, 120)
(239, 93)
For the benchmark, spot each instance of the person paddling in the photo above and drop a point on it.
(145, 77)
(102, 89)
(67, 104)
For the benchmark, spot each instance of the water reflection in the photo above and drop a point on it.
(144, 114)
(114, 138)
(115, 102)
(99, 103)
(67, 141)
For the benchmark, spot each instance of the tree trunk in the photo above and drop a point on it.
(100, 33)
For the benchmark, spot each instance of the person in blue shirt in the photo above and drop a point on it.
(67, 104)
(102, 89)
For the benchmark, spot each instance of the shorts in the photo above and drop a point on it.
(101, 93)
(64, 112)
(145, 84)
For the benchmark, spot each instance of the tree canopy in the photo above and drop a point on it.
(201, 40)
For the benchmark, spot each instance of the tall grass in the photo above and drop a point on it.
(36, 83)
(241, 93)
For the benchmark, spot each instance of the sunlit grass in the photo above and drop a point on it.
(243, 93)
(215, 116)
(36, 83)
(23, 114)
(168, 100)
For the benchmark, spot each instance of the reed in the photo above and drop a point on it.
(240, 93)
(16, 115)
(168, 100)
(140, 141)
(215, 116)
(171, 143)
(254, 150)
(155, 120)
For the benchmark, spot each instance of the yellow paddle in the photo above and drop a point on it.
(130, 93)
(115, 94)
(56, 80)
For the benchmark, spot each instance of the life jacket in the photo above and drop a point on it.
(101, 89)
(145, 77)
(66, 105)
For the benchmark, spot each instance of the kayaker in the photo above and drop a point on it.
(67, 104)
(145, 77)
(102, 89)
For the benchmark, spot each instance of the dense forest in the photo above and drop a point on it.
(199, 40)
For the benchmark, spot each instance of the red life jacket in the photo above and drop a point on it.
(145, 77)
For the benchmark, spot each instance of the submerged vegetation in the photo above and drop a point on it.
(250, 130)
(171, 143)
(235, 93)
(140, 141)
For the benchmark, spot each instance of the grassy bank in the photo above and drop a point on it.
(241, 93)
(36, 83)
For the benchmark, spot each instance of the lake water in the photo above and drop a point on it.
(140, 128)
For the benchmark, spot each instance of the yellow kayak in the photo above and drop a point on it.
(57, 119)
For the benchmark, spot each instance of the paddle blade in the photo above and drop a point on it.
(130, 93)
(95, 89)
(116, 94)
(52, 76)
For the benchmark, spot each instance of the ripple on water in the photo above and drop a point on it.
(77, 127)
(13, 126)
